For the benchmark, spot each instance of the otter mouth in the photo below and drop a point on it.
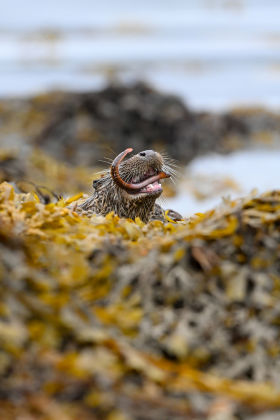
(149, 184)
(151, 187)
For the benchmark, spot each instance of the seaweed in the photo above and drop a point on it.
(109, 318)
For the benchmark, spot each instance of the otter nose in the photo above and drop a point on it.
(147, 153)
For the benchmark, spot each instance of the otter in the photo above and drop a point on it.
(131, 187)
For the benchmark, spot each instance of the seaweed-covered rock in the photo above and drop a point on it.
(108, 318)
(82, 128)
(60, 139)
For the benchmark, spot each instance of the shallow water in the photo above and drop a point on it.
(234, 175)
(215, 54)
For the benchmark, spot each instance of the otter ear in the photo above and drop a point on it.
(95, 184)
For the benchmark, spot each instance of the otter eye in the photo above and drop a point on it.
(142, 154)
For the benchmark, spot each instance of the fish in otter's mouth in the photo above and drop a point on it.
(148, 183)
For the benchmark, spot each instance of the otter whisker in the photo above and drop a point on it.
(171, 171)
(106, 160)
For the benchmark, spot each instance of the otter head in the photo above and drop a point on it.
(130, 187)
(139, 176)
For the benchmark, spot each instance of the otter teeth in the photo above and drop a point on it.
(155, 186)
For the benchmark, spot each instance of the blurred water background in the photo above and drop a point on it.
(216, 54)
